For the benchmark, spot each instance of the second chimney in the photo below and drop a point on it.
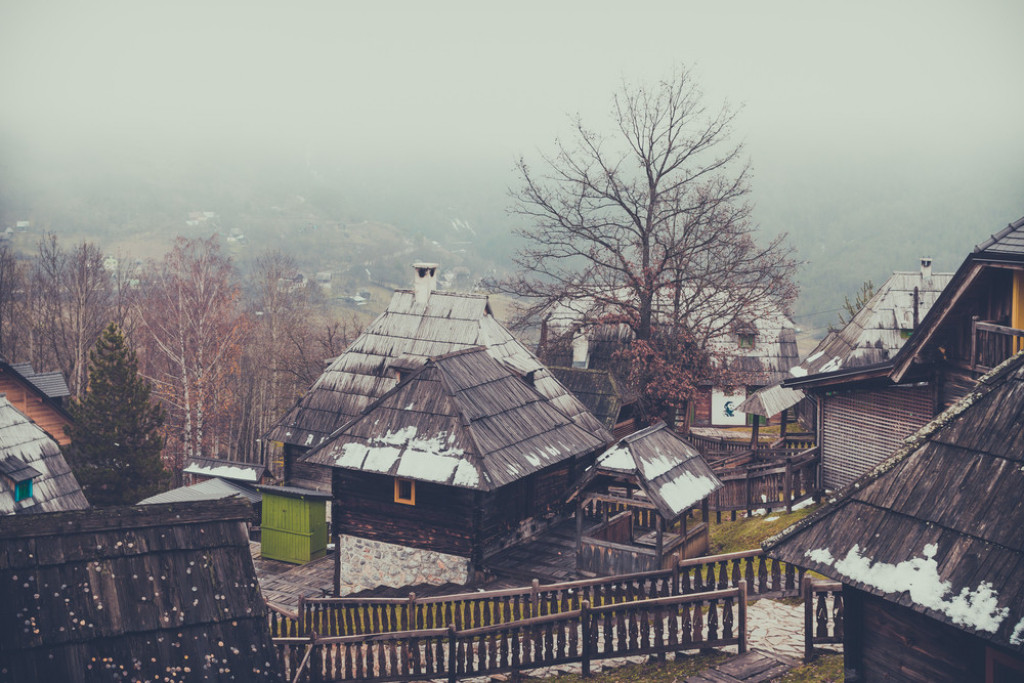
(425, 281)
(926, 267)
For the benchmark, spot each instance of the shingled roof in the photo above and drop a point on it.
(878, 330)
(403, 337)
(24, 447)
(464, 419)
(152, 593)
(598, 390)
(667, 468)
(939, 527)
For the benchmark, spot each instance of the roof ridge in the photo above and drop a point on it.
(1010, 227)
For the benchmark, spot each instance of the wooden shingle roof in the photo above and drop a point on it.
(24, 445)
(939, 527)
(598, 390)
(151, 593)
(408, 331)
(879, 330)
(667, 468)
(464, 419)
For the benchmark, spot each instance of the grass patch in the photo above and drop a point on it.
(748, 532)
(658, 672)
(824, 669)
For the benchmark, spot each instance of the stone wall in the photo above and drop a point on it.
(368, 564)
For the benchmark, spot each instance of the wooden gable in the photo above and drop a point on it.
(35, 403)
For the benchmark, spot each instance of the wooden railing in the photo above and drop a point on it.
(361, 616)
(991, 344)
(583, 634)
(817, 595)
(784, 482)
(283, 624)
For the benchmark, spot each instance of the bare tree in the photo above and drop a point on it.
(190, 317)
(71, 304)
(649, 226)
(12, 291)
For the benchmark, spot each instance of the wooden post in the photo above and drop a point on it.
(974, 341)
(787, 484)
(337, 565)
(754, 434)
(452, 673)
(705, 510)
(585, 628)
(534, 597)
(808, 595)
(748, 495)
(579, 527)
(302, 615)
(659, 540)
(675, 577)
(782, 427)
(412, 621)
(742, 602)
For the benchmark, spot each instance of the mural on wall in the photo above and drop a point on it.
(723, 407)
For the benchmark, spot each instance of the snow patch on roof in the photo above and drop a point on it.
(617, 458)
(1017, 637)
(798, 371)
(977, 609)
(686, 490)
(833, 364)
(226, 471)
(466, 475)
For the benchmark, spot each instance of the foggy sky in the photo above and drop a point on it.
(451, 80)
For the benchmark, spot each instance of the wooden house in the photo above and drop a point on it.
(34, 477)
(879, 380)
(150, 593)
(640, 493)
(40, 396)
(417, 325)
(756, 352)
(930, 546)
(462, 458)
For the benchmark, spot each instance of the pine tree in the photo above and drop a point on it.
(115, 438)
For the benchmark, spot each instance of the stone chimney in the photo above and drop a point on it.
(926, 267)
(580, 349)
(425, 281)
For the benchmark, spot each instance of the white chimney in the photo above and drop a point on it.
(580, 349)
(425, 281)
(926, 267)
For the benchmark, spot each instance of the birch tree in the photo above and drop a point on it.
(190, 317)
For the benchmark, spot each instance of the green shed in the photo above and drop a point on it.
(294, 524)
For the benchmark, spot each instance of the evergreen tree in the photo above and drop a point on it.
(115, 438)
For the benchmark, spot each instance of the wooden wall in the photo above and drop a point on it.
(860, 429)
(29, 401)
(302, 474)
(448, 519)
(887, 642)
(441, 520)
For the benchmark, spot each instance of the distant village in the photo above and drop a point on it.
(452, 499)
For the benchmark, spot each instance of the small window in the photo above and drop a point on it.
(405, 491)
(746, 341)
(23, 490)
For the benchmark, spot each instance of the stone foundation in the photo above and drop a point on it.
(368, 564)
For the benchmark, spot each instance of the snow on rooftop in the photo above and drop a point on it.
(225, 471)
(798, 371)
(977, 608)
(617, 458)
(685, 490)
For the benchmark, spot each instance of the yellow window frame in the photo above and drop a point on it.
(405, 500)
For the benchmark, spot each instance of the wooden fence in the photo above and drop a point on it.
(361, 616)
(817, 619)
(584, 634)
(783, 482)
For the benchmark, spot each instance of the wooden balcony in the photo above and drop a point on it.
(991, 344)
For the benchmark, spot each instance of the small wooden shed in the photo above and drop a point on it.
(294, 524)
(633, 504)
